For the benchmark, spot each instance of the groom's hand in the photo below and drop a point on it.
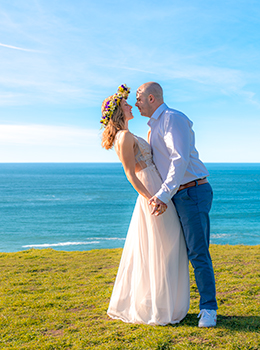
(159, 207)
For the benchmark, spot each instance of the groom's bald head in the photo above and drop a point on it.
(152, 88)
(149, 97)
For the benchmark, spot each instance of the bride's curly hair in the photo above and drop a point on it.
(116, 123)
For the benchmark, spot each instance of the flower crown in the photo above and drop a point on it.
(122, 92)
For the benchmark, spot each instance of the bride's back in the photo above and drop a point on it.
(142, 151)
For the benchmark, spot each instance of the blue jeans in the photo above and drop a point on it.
(193, 205)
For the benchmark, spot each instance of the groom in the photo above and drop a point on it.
(185, 183)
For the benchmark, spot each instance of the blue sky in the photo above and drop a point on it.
(60, 59)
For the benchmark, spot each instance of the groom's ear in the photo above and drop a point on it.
(151, 98)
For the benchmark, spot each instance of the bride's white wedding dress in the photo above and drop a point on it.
(152, 283)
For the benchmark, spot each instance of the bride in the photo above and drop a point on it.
(152, 283)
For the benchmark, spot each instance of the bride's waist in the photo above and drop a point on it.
(149, 166)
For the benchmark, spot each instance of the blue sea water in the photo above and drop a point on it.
(83, 206)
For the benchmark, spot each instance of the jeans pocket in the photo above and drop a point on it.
(202, 195)
(192, 194)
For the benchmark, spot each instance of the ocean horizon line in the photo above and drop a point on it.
(115, 162)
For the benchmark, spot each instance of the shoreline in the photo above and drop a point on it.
(110, 249)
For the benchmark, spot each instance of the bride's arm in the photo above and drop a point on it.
(148, 136)
(127, 157)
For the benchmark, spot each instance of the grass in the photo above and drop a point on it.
(58, 300)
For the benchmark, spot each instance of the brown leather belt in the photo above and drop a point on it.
(193, 183)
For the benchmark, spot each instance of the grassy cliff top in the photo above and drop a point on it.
(58, 300)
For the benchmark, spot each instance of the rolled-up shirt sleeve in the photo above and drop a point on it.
(176, 135)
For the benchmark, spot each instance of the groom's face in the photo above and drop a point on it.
(142, 103)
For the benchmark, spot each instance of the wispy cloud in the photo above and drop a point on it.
(18, 48)
(206, 75)
(135, 69)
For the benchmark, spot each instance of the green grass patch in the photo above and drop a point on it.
(58, 300)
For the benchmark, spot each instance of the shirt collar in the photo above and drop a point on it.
(157, 113)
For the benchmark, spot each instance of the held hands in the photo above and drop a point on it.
(159, 207)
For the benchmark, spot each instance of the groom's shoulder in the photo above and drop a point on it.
(175, 114)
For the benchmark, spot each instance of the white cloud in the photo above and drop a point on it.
(46, 135)
(51, 143)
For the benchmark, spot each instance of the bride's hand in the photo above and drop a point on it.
(159, 207)
(162, 208)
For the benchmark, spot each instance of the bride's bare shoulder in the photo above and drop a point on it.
(124, 136)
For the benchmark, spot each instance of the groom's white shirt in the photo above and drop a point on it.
(174, 153)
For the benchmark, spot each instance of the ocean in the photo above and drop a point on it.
(84, 206)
